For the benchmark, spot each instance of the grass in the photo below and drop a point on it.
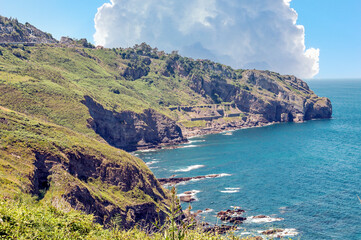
(50, 82)
(22, 136)
(192, 124)
(26, 218)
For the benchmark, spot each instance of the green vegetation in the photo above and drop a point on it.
(24, 139)
(26, 218)
(191, 124)
(232, 119)
(49, 81)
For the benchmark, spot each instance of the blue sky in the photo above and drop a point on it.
(332, 26)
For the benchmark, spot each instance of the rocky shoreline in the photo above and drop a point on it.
(220, 128)
(174, 181)
(233, 218)
(199, 132)
(217, 128)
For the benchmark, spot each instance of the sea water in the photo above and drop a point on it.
(308, 173)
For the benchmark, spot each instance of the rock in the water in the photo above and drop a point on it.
(232, 216)
(174, 181)
(272, 231)
(187, 198)
(220, 229)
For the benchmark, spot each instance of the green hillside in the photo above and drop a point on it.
(66, 168)
(51, 82)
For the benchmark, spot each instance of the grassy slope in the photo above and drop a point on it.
(24, 218)
(49, 82)
(21, 136)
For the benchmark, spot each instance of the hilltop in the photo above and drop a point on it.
(13, 31)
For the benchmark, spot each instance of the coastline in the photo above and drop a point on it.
(189, 134)
(200, 132)
(217, 129)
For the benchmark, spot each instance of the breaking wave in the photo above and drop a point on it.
(189, 168)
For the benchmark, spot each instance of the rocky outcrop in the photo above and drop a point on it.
(11, 31)
(174, 180)
(232, 216)
(51, 169)
(134, 73)
(266, 97)
(282, 98)
(75, 43)
(131, 131)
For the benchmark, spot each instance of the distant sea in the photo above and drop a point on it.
(308, 173)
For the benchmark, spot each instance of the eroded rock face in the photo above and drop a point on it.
(131, 131)
(269, 97)
(50, 169)
(12, 31)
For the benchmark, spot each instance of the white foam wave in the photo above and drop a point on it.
(283, 209)
(195, 141)
(266, 219)
(208, 210)
(236, 207)
(221, 175)
(153, 167)
(287, 232)
(189, 146)
(228, 133)
(189, 168)
(191, 193)
(230, 188)
(229, 191)
(151, 163)
(147, 150)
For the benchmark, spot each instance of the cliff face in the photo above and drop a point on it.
(292, 100)
(78, 169)
(130, 131)
(66, 169)
(268, 97)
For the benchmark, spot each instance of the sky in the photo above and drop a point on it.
(249, 33)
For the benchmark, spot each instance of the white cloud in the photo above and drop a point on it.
(259, 34)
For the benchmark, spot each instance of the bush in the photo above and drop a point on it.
(19, 54)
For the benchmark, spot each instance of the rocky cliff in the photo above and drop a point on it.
(66, 169)
(11, 31)
(131, 131)
(269, 97)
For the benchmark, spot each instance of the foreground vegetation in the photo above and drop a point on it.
(26, 218)
(63, 167)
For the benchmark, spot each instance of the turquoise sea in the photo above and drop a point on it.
(309, 174)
